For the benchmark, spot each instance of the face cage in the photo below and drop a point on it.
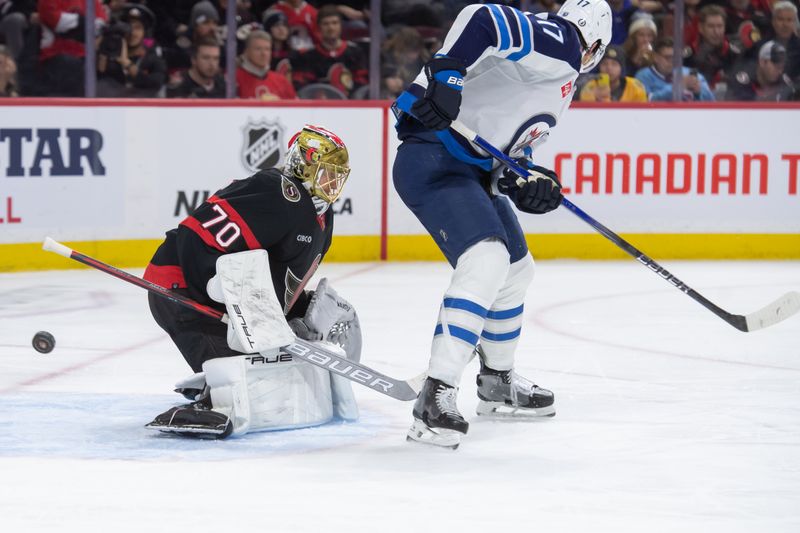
(328, 181)
(595, 60)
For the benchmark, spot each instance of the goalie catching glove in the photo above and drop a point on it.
(539, 194)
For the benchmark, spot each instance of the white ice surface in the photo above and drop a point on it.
(668, 418)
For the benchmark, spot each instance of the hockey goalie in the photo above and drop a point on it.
(248, 251)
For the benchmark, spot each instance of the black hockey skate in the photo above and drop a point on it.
(436, 417)
(193, 420)
(505, 393)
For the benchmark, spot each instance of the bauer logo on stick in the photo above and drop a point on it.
(263, 145)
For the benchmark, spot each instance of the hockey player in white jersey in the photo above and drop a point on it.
(509, 76)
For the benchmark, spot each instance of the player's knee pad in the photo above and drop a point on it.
(503, 324)
(480, 271)
(520, 276)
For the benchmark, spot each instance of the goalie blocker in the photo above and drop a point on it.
(251, 385)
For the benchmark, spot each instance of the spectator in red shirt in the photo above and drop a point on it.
(334, 61)
(61, 52)
(302, 19)
(254, 78)
(711, 52)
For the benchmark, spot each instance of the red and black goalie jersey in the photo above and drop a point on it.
(268, 211)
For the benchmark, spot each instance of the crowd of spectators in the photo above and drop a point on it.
(735, 50)
(743, 50)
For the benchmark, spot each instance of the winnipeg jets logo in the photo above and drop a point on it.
(263, 145)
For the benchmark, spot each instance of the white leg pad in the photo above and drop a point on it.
(227, 380)
(270, 391)
(479, 274)
(503, 325)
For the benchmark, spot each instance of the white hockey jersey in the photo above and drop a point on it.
(521, 72)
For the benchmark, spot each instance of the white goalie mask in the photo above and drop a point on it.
(592, 18)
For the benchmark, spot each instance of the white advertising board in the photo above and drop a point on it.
(117, 172)
(121, 170)
(682, 170)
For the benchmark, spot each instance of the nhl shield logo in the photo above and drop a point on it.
(263, 145)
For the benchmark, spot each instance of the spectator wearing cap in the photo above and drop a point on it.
(612, 85)
(254, 77)
(711, 53)
(61, 51)
(203, 79)
(8, 73)
(638, 47)
(276, 24)
(126, 66)
(334, 61)
(204, 22)
(764, 80)
(785, 28)
(657, 78)
(302, 19)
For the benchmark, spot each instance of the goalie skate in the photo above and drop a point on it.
(193, 420)
(505, 394)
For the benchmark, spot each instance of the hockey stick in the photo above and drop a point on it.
(311, 353)
(771, 314)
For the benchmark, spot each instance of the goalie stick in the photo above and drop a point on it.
(777, 311)
(405, 390)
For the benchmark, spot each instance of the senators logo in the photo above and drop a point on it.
(290, 191)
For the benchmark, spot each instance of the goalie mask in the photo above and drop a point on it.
(319, 159)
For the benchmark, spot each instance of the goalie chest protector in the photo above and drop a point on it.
(268, 211)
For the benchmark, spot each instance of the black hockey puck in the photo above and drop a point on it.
(44, 342)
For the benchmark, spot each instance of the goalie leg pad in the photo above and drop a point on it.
(227, 380)
(287, 394)
(334, 320)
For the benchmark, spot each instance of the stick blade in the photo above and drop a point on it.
(778, 311)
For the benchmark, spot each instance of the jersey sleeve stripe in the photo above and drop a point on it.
(194, 225)
(527, 30)
(502, 26)
(247, 233)
(512, 14)
(474, 38)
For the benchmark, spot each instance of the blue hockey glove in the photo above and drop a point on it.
(540, 194)
(442, 101)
